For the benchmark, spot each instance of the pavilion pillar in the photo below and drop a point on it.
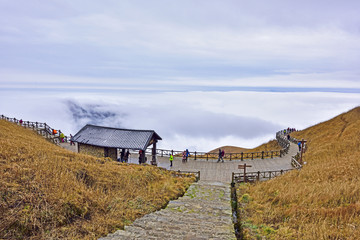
(153, 157)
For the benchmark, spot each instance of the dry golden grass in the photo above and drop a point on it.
(322, 201)
(50, 193)
(269, 146)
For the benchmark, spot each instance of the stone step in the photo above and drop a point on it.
(204, 212)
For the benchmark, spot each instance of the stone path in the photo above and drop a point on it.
(221, 172)
(213, 171)
(203, 213)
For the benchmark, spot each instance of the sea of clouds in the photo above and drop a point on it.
(195, 120)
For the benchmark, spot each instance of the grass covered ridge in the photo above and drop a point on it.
(322, 201)
(269, 146)
(48, 192)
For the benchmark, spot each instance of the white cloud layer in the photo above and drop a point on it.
(196, 120)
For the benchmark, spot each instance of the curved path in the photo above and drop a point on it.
(221, 172)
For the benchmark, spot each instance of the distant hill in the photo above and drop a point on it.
(229, 149)
(50, 193)
(321, 201)
(269, 146)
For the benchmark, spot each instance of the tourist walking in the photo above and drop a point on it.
(299, 144)
(140, 156)
(62, 137)
(184, 156)
(126, 157)
(221, 155)
(122, 155)
(187, 154)
(171, 160)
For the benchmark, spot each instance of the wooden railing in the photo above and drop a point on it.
(41, 128)
(284, 142)
(295, 163)
(256, 176)
(228, 156)
(186, 174)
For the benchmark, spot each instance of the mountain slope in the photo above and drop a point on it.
(269, 146)
(50, 193)
(322, 201)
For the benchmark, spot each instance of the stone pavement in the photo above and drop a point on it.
(221, 172)
(203, 213)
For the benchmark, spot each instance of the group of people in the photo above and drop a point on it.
(185, 155)
(289, 130)
(124, 156)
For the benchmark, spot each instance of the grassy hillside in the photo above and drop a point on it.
(269, 146)
(50, 193)
(322, 201)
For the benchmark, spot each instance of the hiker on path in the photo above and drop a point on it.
(71, 140)
(122, 155)
(126, 157)
(62, 136)
(184, 156)
(221, 155)
(187, 154)
(140, 156)
(171, 160)
(299, 144)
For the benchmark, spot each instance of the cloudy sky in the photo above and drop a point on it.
(202, 74)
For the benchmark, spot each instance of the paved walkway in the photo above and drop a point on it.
(221, 172)
(203, 213)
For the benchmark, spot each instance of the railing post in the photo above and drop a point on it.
(199, 175)
(258, 176)
(195, 155)
(230, 156)
(242, 156)
(207, 156)
(262, 155)
(232, 178)
(281, 172)
(252, 156)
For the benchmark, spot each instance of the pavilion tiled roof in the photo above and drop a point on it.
(115, 137)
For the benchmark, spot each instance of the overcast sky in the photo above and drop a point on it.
(202, 73)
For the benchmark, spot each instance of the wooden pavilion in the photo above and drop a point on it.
(105, 141)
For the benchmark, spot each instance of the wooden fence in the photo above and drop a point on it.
(295, 163)
(283, 142)
(41, 128)
(228, 156)
(266, 175)
(256, 176)
(186, 174)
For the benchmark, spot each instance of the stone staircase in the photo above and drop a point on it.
(203, 213)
